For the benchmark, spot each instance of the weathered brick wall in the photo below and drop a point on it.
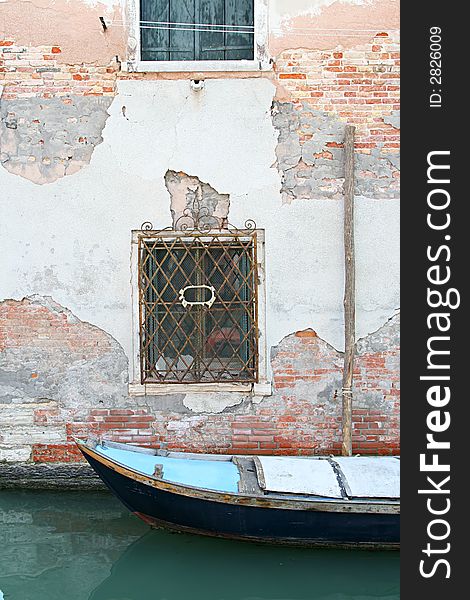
(35, 72)
(63, 378)
(53, 369)
(361, 86)
(52, 114)
(318, 92)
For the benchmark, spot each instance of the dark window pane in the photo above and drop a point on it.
(197, 29)
(212, 42)
(182, 42)
(239, 45)
(155, 42)
(197, 342)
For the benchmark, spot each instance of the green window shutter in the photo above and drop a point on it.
(239, 45)
(225, 45)
(182, 43)
(190, 39)
(154, 42)
(211, 43)
(161, 41)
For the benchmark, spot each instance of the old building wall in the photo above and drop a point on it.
(64, 378)
(86, 153)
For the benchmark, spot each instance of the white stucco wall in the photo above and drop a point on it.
(71, 239)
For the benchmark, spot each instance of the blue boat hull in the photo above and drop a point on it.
(306, 527)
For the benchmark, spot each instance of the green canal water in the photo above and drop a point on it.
(86, 546)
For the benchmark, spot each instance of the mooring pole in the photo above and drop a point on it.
(349, 302)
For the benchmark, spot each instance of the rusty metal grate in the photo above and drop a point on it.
(198, 307)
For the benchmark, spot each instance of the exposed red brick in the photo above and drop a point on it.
(325, 92)
(292, 76)
(50, 453)
(306, 333)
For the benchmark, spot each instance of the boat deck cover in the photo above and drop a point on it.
(371, 476)
(359, 476)
(333, 477)
(298, 476)
(221, 476)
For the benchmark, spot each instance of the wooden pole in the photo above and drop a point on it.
(349, 302)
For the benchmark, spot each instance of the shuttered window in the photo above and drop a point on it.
(196, 30)
(198, 309)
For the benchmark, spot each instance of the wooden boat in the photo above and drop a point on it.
(327, 501)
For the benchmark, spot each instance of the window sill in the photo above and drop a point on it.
(161, 389)
(197, 66)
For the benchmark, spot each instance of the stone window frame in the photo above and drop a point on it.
(264, 385)
(261, 61)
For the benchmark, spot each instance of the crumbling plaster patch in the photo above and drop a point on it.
(383, 339)
(62, 379)
(213, 403)
(43, 139)
(393, 119)
(318, 354)
(47, 353)
(314, 168)
(194, 202)
(51, 359)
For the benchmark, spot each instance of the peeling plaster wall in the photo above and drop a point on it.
(62, 378)
(314, 168)
(48, 354)
(325, 24)
(53, 368)
(262, 146)
(76, 248)
(45, 139)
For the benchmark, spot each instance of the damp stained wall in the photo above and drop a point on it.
(70, 239)
(325, 24)
(269, 144)
(73, 25)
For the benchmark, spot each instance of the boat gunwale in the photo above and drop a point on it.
(274, 501)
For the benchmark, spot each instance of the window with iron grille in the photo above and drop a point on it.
(196, 30)
(198, 319)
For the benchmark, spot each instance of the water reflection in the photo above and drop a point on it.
(60, 546)
(85, 546)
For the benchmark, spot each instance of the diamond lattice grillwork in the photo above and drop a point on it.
(198, 308)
